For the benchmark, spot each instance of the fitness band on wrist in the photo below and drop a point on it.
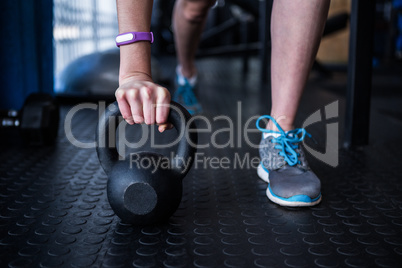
(132, 37)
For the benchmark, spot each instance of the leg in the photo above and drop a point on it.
(189, 18)
(296, 30)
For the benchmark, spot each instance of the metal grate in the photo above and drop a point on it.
(82, 27)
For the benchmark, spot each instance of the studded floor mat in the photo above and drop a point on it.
(54, 210)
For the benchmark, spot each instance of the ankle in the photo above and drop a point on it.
(285, 127)
(283, 121)
(187, 72)
(182, 77)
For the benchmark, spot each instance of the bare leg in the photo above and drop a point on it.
(296, 30)
(189, 18)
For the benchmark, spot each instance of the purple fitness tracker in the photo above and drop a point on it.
(132, 37)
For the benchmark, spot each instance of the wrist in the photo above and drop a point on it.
(135, 62)
(134, 76)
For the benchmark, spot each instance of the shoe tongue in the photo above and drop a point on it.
(273, 135)
(276, 135)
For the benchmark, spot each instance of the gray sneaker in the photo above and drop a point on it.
(284, 167)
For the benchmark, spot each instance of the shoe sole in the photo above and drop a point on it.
(286, 202)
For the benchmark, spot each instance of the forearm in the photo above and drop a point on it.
(135, 58)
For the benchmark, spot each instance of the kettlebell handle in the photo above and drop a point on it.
(178, 117)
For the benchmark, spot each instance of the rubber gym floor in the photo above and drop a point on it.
(54, 210)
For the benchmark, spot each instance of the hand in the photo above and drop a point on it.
(140, 101)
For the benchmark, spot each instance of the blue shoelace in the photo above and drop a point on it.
(287, 142)
(187, 93)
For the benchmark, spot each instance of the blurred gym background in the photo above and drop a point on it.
(66, 47)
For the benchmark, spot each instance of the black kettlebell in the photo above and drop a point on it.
(138, 194)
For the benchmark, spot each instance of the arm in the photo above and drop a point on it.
(140, 100)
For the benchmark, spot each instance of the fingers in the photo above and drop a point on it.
(148, 107)
(162, 110)
(124, 107)
(163, 127)
(162, 105)
(133, 98)
(143, 102)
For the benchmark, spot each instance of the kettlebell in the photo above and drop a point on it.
(149, 193)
